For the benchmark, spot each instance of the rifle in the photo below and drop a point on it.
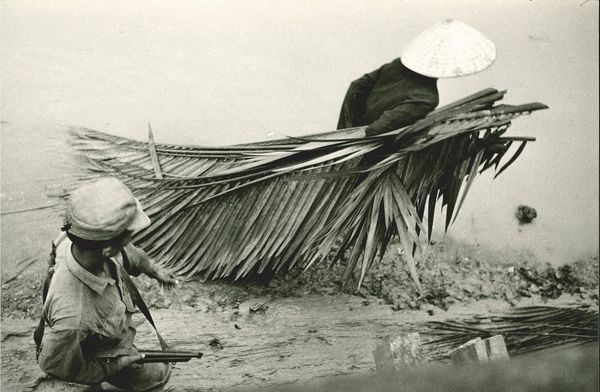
(151, 356)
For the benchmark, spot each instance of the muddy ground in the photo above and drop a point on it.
(288, 330)
(301, 327)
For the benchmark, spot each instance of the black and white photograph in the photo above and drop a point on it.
(299, 195)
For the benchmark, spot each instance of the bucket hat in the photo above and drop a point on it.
(449, 49)
(103, 209)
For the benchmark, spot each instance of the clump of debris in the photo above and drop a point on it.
(22, 296)
(456, 278)
(551, 282)
(525, 214)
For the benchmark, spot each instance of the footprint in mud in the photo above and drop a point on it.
(284, 312)
(235, 362)
(254, 306)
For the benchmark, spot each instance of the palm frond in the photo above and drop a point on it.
(525, 329)
(235, 211)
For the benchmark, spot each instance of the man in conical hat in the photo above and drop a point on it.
(405, 90)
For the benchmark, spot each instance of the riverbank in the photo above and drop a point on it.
(303, 326)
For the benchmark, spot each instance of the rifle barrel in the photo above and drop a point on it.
(152, 353)
(165, 359)
(151, 356)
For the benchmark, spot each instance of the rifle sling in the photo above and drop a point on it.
(38, 334)
(137, 299)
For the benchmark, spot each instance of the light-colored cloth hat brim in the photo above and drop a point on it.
(449, 49)
(140, 219)
(101, 210)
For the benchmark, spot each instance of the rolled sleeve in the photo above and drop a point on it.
(138, 260)
(63, 358)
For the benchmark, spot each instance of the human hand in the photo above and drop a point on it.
(165, 278)
(371, 132)
(124, 361)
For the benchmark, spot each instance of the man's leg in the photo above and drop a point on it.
(144, 378)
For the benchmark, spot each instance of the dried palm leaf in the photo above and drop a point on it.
(235, 211)
(524, 329)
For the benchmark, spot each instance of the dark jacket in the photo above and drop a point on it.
(388, 98)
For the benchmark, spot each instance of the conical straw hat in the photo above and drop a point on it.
(449, 49)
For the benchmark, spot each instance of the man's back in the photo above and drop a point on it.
(395, 85)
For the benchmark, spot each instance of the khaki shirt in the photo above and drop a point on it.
(86, 314)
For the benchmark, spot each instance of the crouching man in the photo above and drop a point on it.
(90, 302)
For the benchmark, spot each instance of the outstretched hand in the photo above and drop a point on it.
(164, 277)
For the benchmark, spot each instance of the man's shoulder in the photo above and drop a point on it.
(65, 299)
(63, 279)
(63, 304)
(394, 64)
